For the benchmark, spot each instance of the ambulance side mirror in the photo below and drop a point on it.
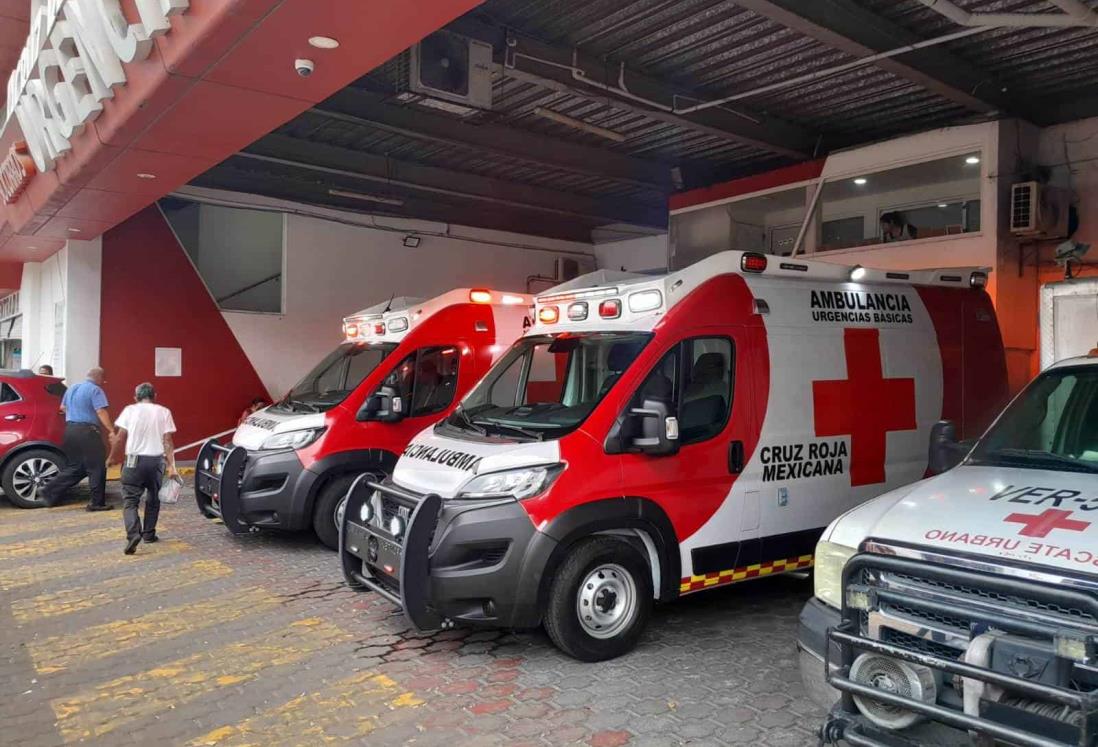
(946, 452)
(655, 431)
(384, 406)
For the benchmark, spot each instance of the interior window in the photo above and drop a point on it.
(7, 394)
(426, 380)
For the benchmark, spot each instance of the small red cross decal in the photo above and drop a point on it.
(1040, 525)
(865, 406)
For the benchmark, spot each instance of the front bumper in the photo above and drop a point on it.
(454, 561)
(1033, 708)
(251, 490)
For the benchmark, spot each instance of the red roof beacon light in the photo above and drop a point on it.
(610, 308)
(478, 295)
(379, 328)
(548, 314)
(753, 262)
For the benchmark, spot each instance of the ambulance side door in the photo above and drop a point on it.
(427, 383)
(705, 378)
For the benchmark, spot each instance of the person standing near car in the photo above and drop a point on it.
(87, 423)
(147, 429)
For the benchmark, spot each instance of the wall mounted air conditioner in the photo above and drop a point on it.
(1038, 210)
(450, 73)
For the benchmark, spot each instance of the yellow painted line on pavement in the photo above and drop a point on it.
(344, 711)
(69, 541)
(52, 523)
(108, 707)
(60, 652)
(17, 575)
(115, 590)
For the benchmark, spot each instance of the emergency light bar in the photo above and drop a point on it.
(388, 320)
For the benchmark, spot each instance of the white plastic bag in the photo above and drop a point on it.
(170, 489)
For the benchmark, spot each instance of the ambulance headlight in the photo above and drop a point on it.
(830, 559)
(519, 484)
(292, 439)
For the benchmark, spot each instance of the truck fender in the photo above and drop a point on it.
(344, 463)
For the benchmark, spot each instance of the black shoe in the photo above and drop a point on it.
(151, 538)
(131, 545)
(99, 507)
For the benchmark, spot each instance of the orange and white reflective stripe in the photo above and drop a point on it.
(734, 575)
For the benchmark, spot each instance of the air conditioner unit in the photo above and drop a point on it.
(1039, 211)
(450, 73)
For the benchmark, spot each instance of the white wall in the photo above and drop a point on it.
(1071, 152)
(333, 269)
(634, 255)
(60, 298)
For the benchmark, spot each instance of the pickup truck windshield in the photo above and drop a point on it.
(336, 376)
(546, 386)
(1052, 425)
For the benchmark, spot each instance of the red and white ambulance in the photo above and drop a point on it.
(653, 436)
(404, 364)
(967, 604)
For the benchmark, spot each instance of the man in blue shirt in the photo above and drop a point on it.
(86, 422)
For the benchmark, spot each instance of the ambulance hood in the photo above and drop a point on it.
(1043, 517)
(264, 423)
(436, 464)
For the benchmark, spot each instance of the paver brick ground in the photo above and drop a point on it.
(209, 639)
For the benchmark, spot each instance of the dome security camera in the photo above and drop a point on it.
(304, 68)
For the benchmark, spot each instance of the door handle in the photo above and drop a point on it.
(15, 417)
(735, 457)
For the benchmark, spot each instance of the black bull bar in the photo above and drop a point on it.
(1028, 729)
(218, 474)
(362, 545)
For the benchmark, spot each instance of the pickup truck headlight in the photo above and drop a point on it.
(292, 439)
(829, 561)
(513, 483)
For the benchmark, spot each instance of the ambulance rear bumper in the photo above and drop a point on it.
(454, 562)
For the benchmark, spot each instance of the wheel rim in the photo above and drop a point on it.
(607, 601)
(31, 476)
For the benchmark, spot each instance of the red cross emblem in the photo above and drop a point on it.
(1040, 525)
(865, 406)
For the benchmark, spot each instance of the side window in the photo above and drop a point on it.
(8, 394)
(695, 378)
(434, 380)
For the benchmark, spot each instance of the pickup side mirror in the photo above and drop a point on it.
(651, 429)
(946, 452)
(383, 406)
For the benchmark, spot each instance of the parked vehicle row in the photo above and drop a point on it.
(32, 430)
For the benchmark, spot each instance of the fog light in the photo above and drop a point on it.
(911, 681)
(396, 526)
(365, 512)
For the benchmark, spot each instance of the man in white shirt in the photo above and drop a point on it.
(147, 428)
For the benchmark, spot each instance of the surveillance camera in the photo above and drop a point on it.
(304, 67)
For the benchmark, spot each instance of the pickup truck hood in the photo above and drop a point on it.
(439, 464)
(264, 423)
(1044, 517)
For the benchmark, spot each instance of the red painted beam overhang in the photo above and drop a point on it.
(800, 172)
(222, 77)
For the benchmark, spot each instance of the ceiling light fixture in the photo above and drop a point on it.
(365, 197)
(972, 160)
(74, 230)
(412, 241)
(861, 181)
(144, 175)
(579, 124)
(323, 42)
(942, 205)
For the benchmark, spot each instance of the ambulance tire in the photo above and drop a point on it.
(609, 573)
(324, 511)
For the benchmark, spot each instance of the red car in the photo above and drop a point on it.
(31, 431)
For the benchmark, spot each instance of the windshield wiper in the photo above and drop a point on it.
(464, 416)
(535, 435)
(308, 406)
(1039, 455)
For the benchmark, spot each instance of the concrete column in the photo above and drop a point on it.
(83, 292)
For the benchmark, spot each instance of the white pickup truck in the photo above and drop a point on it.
(963, 609)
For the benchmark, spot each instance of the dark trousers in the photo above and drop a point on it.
(87, 457)
(141, 475)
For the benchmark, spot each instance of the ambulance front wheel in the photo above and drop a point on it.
(600, 599)
(324, 512)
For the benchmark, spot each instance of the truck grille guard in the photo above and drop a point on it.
(218, 475)
(1033, 612)
(412, 588)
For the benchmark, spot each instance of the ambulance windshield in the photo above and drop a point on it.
(1053, 425)
(546, 386)
(335, 377)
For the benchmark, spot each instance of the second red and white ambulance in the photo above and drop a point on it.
(405, 363)
(653, 436)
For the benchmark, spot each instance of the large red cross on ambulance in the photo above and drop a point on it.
(864, 406)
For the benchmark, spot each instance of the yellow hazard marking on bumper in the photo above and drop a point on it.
(735, 575)
(56, 653)
(16, 575)
(70, 541)
(111, 706)
(344, 711)
(115, 590)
